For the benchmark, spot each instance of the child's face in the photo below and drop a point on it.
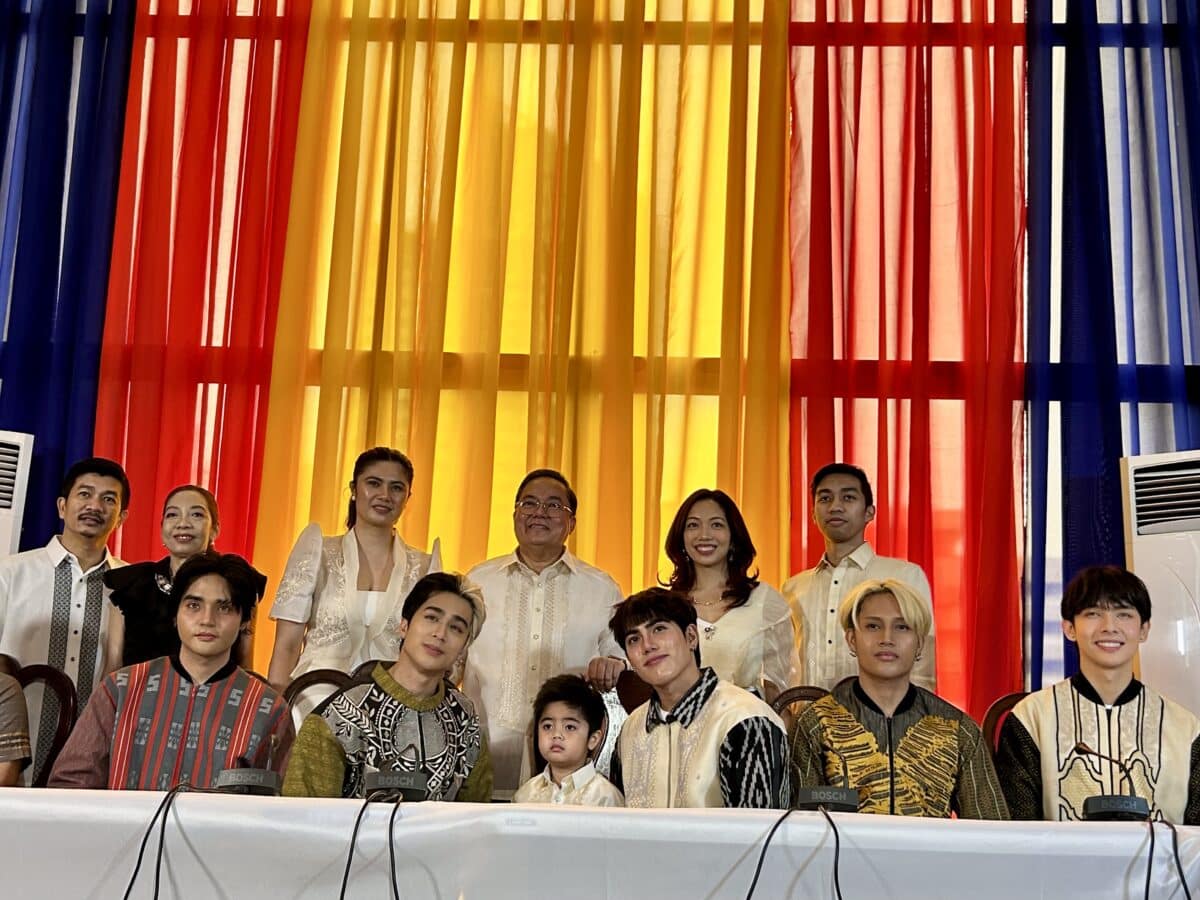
(563, 737)
(1107, 636)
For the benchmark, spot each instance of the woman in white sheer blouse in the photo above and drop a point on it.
(339, 602)
(746, 631)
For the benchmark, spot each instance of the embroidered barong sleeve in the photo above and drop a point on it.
(478, 786)
(606, 642)
(15, 752)
(294, 598)
(753, 766)
(1191, 813)
(317, 765)
(1019, 764)
(780, 659)
(977, 793)
(806, 765)
(83, 762)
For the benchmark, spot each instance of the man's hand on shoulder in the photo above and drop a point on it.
(603, 672)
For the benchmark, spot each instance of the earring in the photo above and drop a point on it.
(854, 654)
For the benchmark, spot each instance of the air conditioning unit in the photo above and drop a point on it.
(16, 451)
(1162, 545)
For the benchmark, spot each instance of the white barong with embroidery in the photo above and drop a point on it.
(539, 625)
(319, 589)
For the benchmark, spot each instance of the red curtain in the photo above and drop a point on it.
(907, 220)
(197, 255)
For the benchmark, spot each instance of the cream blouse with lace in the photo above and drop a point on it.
(319, 589)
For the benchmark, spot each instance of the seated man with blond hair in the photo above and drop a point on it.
(906, 751)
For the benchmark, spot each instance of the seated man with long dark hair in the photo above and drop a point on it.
(187, 716)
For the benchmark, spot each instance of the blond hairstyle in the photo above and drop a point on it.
(913, 607)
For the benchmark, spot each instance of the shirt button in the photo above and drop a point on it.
(537, 637)
(831, 610)
(72, 659)
(835, 581)
(829, 642)
(76, 631)
(534, 668)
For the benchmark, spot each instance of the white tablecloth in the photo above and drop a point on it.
(74, 844)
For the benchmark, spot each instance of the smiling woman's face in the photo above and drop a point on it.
(187, 525)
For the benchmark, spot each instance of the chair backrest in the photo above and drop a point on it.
(335, 679)
(363, 671)
(996, 715)
(802, 694)
(58, 683)
(632, 691)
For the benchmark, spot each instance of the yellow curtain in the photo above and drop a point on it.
(536, 233)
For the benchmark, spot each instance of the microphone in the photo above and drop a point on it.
(390, 782)
(1113, 807)
(829, 797)
(246, 778)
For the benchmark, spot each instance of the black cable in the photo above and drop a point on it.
(162, 831)
(837, 852)
(763, 853)
(354, 839)
(146, 838)
(392, 847)
(1150, 860)
(1178, 865)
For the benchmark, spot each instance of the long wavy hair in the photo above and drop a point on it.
(739, 582)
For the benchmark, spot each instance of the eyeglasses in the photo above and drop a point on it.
(531, 505)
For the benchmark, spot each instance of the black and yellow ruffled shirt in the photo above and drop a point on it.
(927, 759)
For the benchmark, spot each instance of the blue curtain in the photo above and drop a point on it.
(1126, 250)
(63, 85)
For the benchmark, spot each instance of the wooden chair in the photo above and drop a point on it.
(802, 694)
(995, 717)
(334, 679)
(363, 671)
(632, 690)
(56, 682)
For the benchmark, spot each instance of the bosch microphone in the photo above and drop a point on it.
(245, 778)
(1113, 807)
(390, 782)
(829, 797)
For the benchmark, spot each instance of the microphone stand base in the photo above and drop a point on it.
(1115, 808)
(834, 799)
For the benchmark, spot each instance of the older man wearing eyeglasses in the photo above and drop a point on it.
(547, 615)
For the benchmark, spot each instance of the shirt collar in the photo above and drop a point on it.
(1080, 683)
(58, 553)
(860, 556)
(567, 559)
(224, 672)
(689, 704)
(575, 780)
(905, 704)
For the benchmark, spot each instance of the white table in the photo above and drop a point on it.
(74, 844)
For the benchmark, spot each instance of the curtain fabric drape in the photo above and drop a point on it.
(907, 223)
(63, 78)
(536, 239)
(197, 257)
(1114, 295)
